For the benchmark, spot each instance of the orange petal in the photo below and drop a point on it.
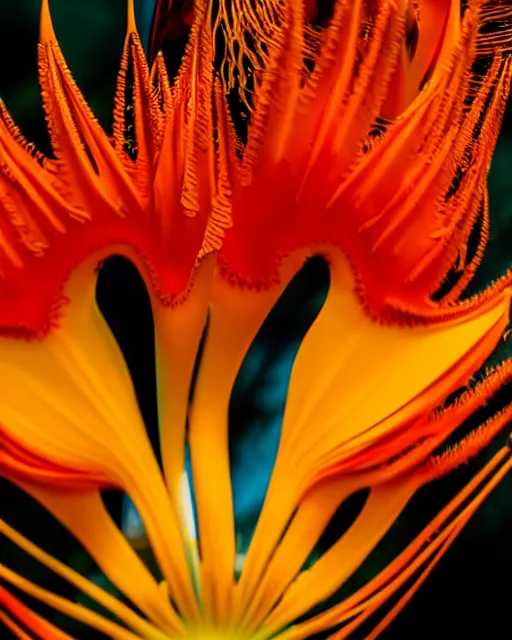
(65, 606)
(85, 516)
(233, 323)
(69, 400)
(314, 585)
(153, 202)
(426, 548)
(17, 461)
(432, 33)
(328, 419)
(399, 198)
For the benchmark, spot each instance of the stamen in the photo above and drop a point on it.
(67, 607)
(31, 620)
(120, 610)
(435, 538)
(14, 627)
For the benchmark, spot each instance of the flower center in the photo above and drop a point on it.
(218, 634)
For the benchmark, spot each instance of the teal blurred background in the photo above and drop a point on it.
(468, 595)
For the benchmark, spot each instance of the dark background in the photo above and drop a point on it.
(468, 595)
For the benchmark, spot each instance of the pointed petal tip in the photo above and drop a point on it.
(46, 31)
(131, 22)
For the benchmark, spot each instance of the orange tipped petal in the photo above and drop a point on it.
(369, 140)
(29, 618)
(122, 612)
(95, 195)
(329, 429)
(431, 36)
(83, 418)
(399, 198)
(19, 462)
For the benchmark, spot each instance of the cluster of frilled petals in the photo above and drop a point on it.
(99, 192)
(371, 129)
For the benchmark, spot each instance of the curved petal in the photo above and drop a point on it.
(69, 400)
(233, 324)
(316, 584)
(119, 609)
(151, 193)
(432, 32)
(85, 516)
(399, 198)
(344, 398)
(415, 562)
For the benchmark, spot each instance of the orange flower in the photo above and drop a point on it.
(370, 136)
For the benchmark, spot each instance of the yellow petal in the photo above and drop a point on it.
(353, 383)
(86, 517)
(178, 332)
(234, 320)
(313, 586)
(304, 531)
(421, 555)
(69, 399)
